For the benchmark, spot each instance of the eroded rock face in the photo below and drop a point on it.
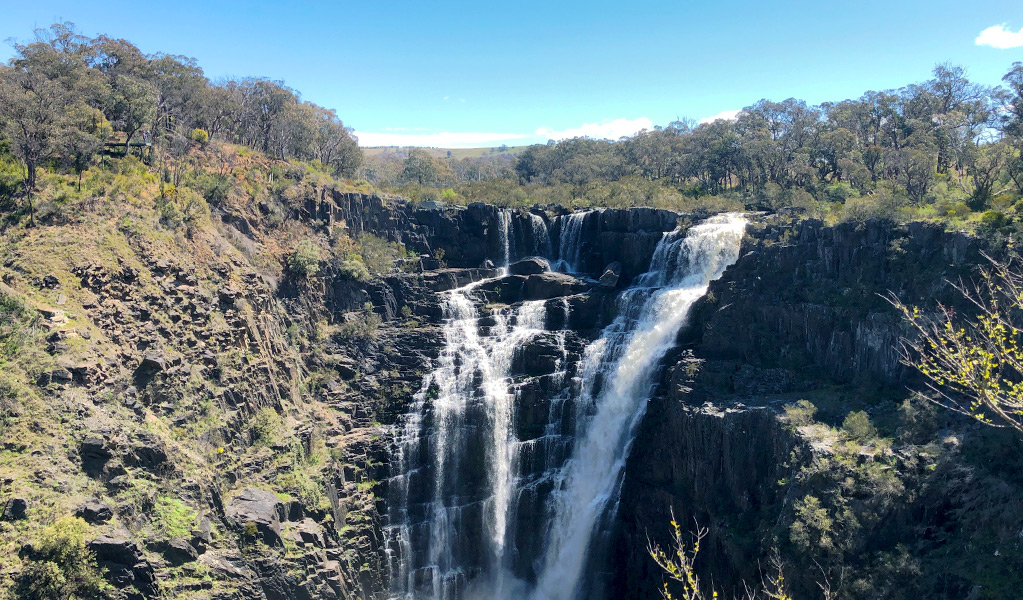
(801, 309)
(125, 564)
(259, 509)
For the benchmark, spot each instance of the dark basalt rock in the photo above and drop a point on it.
(125, 564)
(262, 508)
(152, 364)
(609, 278)
(146, 452)
(94, 454)
(94, 512)
(506, 290)
(552, 285)
(533, 265)
(14, 509)
(178, 552)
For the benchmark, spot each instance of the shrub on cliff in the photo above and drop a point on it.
(61, 566)
(857, 426)
(304, 260)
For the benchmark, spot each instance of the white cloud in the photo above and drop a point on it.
(1001, 37)
(611, 130)
(437, 140)
(725, 115)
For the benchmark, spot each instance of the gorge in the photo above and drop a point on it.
(521, 404)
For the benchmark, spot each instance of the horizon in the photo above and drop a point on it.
(532, 73)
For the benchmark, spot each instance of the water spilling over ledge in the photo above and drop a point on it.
(505, 471)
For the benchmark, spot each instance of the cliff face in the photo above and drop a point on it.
(802, 315)
(252, 410)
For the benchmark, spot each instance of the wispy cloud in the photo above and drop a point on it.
(443, 139)
(611, 130)
(1001, 37)
(725, 115)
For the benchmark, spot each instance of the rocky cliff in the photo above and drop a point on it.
(226, 427)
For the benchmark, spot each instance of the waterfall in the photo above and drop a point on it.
(627, 354)
(483, 507)
(570, 242)
(504, 218)
(469, 384)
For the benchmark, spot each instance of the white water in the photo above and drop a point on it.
(569, 242)
(469, 401)
(628, 351)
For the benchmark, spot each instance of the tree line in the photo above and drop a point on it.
(900, 145)
(64, 96)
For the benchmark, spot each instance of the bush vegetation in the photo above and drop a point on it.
(61, 566)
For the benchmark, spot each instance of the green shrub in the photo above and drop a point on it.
(304, 260)
(992, 219)
(378, 254)
(200, 136)
(877, 206)
(61, 566)
(265, 427)
(213, 187)
(812, 529)
(857, 426)
(801, 413)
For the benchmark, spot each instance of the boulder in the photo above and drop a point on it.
(552, 285)
(94, 511)
(148, 453)
(178, 552)
(14, 509)
(124, 563)
(152, 364)
(612, 272)
(533, 265)
(261, 508)
(505, 290)
(94, 454)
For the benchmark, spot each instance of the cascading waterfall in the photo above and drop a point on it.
(455, 527)
(570, 242)
(627, 353)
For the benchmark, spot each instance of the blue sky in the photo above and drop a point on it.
(457, 74)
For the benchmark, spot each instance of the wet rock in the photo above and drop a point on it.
(609, 278)
(552, 285)
(505, 290)
(533, 265)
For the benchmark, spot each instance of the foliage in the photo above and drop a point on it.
(199, 136)
(62, 567)
(63, 93)
(857, 426)
(378, 254)
(799, 414)
(678, 564)
(265, 427)
(173, 518)
(975, 367)
(304, 260)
